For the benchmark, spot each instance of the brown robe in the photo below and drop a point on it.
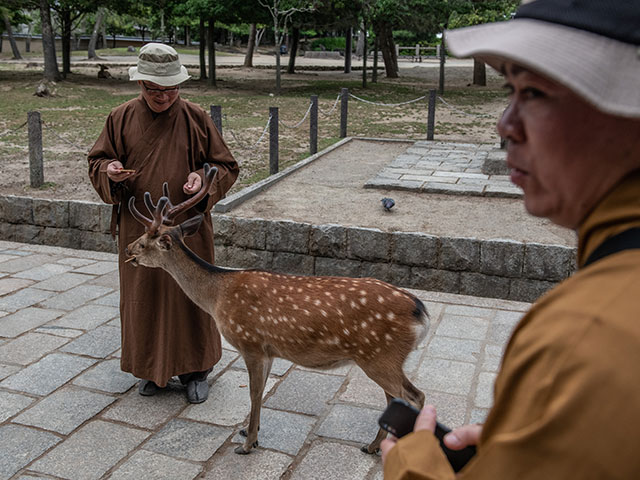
(567, 395)
(163, 332)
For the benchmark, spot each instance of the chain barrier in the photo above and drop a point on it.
(332, 108)
(300, 122)
(242, 144)
(388, 104)
(482, 115)
(6, 132)
(50, 128)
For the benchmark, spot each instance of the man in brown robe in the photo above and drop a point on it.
(567, 397)
(156, 138)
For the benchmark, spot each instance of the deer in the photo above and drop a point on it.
(313, 321)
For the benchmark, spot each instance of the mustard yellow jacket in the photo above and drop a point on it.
(567, 398)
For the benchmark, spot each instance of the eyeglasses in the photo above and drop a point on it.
(158, 91)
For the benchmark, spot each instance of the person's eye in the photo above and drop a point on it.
(532, 93)
(508, 88)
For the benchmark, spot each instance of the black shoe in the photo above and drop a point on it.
(197, 391)
(147, 388)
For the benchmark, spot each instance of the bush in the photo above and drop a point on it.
(329, 44)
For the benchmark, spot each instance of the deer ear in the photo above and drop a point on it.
(165, 241)
(190, 226)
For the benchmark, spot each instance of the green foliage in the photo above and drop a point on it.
(475, 13)
(330, 44)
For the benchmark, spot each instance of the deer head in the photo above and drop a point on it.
(160, 233)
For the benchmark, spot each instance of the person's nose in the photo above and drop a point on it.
(510, 124)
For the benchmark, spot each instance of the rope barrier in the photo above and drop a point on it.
(6, 132)
(387, 104)
(242, 144)
(332, 108)
(300, 122)
(483, 115)
(50, 128)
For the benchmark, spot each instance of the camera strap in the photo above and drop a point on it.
(623, 241)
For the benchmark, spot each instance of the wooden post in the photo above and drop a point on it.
(216, 116)
(313, 126)
(431, 115)
(36, 170)
(273, 140)
(344, 108)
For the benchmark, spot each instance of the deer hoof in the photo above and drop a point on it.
(241, 451)
(367, 449)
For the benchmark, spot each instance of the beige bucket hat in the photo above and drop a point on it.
(590, 46)
(159, 63)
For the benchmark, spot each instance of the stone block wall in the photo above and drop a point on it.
(490, 268)
(71, 224)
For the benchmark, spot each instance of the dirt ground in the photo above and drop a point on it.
(65, 170)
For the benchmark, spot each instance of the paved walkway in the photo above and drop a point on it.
(446, 167)
(67, 411)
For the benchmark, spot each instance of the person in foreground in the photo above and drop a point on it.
(159, 137)
(567, 397)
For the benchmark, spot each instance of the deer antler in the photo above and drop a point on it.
(157, 211)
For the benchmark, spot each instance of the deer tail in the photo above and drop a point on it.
(422, 322)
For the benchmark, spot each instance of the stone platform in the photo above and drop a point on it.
(68, 412)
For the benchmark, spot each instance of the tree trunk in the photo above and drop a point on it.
(51, 72)
(362, 38)
(388, 48)
(211, 44)
(203, 43)
(187, 36)
(12, 41)
(363, 52)
(295, 40)
(347, 50)
(479, 73)
(259, 35)
(66, 42)
(248, 58)
(374, 74)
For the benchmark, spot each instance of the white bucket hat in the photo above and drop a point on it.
(590, 46)
(160, 64)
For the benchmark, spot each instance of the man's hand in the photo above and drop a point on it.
(194, 182)
(463, 436)
(426, 421)
(116, 173)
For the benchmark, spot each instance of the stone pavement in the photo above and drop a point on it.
(446, 167)
(67, 411)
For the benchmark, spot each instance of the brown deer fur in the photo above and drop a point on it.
(315, 322)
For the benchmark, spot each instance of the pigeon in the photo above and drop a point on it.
(388, 203)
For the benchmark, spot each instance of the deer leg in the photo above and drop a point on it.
(259, 368)
(413, 395)
(391, 382)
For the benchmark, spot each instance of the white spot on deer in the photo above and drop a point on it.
(262, 319)
(396, 293)
(242, 302)
(343, 297)
(391, 316)
(307, 313)
(274, 291)
(367, 341)
(270, 310)
(317, 303)
(324, 313)
(378, 350)
(307, 298)
(363, 300)
(388, 337)
(236, 295)
(363, 292)
(378, 316)
(238, 328)
(333, 341)
(254, 308)
(339, 312)
(254, 285)
(353, 304)
(363, 324)
(380, 299)
(280, 300)
(346, 331)
(352, 289)
(299, 290)
(360, 352)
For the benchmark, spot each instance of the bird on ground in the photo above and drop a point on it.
(388, 203)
